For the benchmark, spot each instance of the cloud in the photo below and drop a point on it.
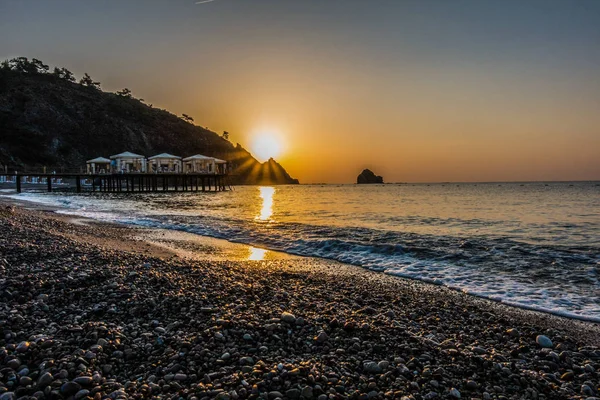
(204, 1)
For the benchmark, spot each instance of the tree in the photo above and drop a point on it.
(63, 73)
(5, 65)
(225, 135)
(187, 118)
(67, 75)
(39, 66)
(22, 64)
(125, 93)
(89, 82)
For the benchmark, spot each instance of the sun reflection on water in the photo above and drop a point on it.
(266, 193)
(257, 254)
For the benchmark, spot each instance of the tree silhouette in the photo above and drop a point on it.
(124, 93)
(67, 75)
(89, 82)
(64, 73)
(187, 118)
(22, 64)
(39, 66)
(225, 135)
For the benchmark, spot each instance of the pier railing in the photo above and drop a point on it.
(116, 182)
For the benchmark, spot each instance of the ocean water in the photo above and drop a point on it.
(532, 245)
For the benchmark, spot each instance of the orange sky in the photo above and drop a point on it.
(418, 91)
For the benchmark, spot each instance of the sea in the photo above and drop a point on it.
(531, 245)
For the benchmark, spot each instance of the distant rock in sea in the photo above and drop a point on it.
(367, 176)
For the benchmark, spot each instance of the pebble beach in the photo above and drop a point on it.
(90, 311)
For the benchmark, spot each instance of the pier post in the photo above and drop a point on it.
(78, 183)
(49, 183)
(18, 180)
(203, 185)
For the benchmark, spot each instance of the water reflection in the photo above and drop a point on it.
(266, 193)
(257, 254)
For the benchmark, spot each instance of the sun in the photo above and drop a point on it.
(266, 145)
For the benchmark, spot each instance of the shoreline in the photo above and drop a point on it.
(124, 305)
(187, 245)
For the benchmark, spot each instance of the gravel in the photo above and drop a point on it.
(80, 320)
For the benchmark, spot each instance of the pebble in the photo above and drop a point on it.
(288, 317)
(45, 379)
(321, 337)
(203, 330)
(23, 347)
(372, 367)
(544, 341)
(69, 388)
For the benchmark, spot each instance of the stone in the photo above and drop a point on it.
(8, 396)
(567, 376)
(372, 367)
(513, 332)
(81, 394)
(544, 341)
(367, 176)
(307, 392)
(70, 388)
(22, 347)
(454, 393)
(15, 363)
(45, 379)
(293, 394)
(84, 380)
(383, 364)
(587, 390)
(321, 337)
(288, 317)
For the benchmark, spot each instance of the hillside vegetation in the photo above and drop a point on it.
(47, 119)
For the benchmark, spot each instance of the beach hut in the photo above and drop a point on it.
(221, 166)
(99, 165)
(128, 162)
(164, 162)
(199, 164)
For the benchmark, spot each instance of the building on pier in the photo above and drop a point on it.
(199, 164)
(164, 162)
(98, 165)
(128, 162)
(220, 166)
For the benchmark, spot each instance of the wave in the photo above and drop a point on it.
(557, 279)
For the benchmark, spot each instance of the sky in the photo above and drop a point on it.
(416, 90)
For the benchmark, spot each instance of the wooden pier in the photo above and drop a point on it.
(120, 183)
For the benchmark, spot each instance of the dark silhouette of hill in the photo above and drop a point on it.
(49, 120)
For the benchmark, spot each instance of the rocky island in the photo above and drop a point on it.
(367, 176)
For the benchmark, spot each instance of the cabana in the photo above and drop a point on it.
(164, 162)
(128, 162)
(99, 165)
(221, 166)
(199, 164)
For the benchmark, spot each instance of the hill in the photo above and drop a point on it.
(49, 120)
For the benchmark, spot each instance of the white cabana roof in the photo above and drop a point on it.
(126, 154)
(165, 155)
(198, 157)
(99, 160)
(219, 161)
